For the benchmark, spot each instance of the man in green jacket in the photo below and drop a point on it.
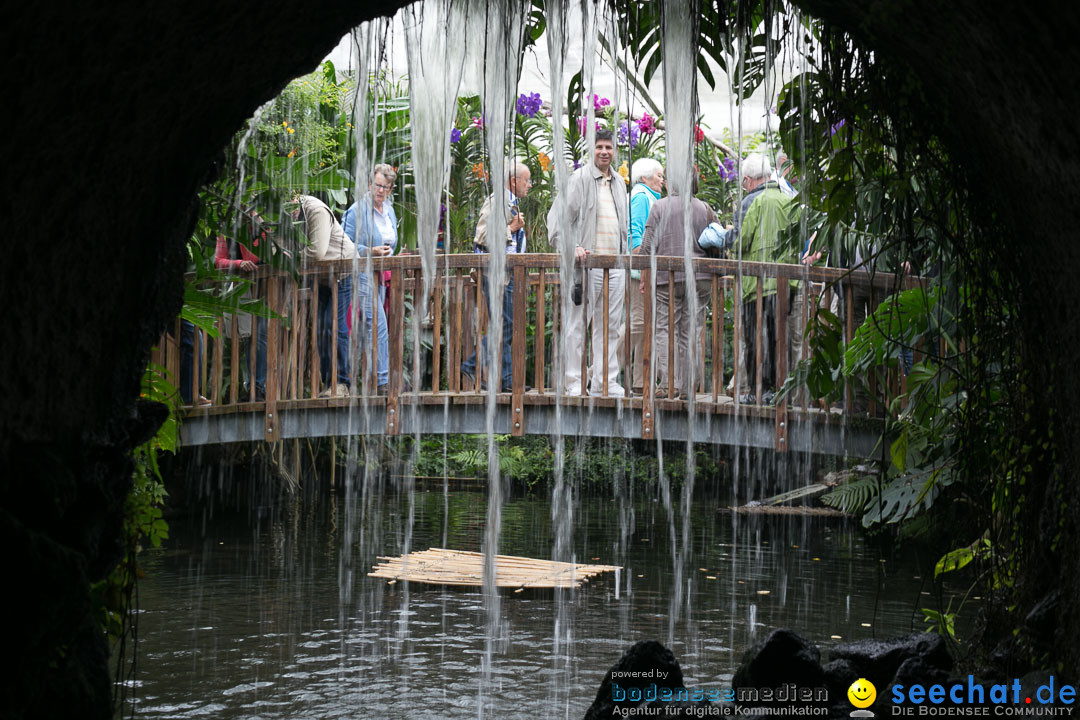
(760, 239)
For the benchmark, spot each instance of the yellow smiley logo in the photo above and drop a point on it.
(862, 693)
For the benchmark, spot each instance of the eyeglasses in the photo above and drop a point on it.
(387, 188)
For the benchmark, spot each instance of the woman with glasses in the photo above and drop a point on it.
(372, 225)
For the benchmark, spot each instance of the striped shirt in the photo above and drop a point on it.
(608, 241)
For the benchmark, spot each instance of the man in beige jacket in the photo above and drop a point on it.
(590, 216)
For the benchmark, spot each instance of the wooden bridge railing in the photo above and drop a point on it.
(457, 318)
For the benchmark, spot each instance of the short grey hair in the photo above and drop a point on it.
(386, 171)
(514, 166)
(644, 168)
(756, 166)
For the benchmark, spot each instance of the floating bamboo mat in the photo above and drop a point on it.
(437, 566)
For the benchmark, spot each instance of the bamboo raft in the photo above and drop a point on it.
(438, 566)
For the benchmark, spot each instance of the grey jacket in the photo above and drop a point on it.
(664, 232)
(579, 201)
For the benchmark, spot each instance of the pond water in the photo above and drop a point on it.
(241, 618)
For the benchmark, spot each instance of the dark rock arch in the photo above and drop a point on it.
(1001, 97)
(113, 115)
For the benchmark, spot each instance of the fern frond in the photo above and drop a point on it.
(852, 497)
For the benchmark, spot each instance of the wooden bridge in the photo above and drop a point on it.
(432, 396)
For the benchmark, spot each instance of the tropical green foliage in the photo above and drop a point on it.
(965, 434)
(530, 461)
(143, 523)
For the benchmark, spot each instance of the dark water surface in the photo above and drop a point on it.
(242, 616)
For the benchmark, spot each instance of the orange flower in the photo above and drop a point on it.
(545, 161)
(478, 171)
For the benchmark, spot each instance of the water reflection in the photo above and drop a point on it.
(241, 616)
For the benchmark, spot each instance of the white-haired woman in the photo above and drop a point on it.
(647, 176)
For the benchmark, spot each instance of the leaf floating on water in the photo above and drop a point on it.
(764, 592)
(835, 637)
(816, 559)
(710, 577)
(866, 624)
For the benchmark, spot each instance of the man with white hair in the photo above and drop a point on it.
(647, 178)
(518, 182)
(765, 215)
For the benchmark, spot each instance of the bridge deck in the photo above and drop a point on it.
(450, 332)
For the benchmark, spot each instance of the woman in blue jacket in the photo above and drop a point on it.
(372, 226)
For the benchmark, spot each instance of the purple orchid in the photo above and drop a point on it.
(528, 105)
(728, 170)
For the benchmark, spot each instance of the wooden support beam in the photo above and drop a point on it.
(783, 297)
(273, 356)
(517, 352)
(648, 376)
(396, 337)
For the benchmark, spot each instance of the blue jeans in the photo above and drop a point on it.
(469, 366)
(326, 331)
(907, 358)
(187, 359)
(382, 348)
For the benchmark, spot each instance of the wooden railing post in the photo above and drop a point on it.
(313, 322)
(538, 343)
(759, 341)
(218, 362)
(396, 337)
(671, 339)
(333, 348)
(783, 296)
(453, 368)
(436, 335)
(234, 359)
(717, 337)
(604, 345)
(648, 379)
(628, 326)
(261, 290)
(849, 335)
(738, 338)
(273, 356)
(517, 352)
